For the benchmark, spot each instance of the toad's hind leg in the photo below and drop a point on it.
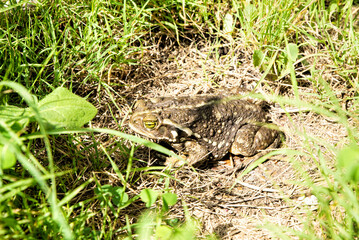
(251, 138)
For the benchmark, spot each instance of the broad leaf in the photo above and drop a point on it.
(120, 197)
(149, 196)
(61, 108)
(348, 163)
(7, 158)
(228, 26)
(293, 52)
(117, 194)
(169, 198)
(164, 232)
(258, 57)
(16, 117)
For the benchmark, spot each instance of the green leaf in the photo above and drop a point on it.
(120, 197)
(173, 222)
(293, 52)
(228, 24)
(61, 108)
(186, 231)
(163, 232)
(7, 158)
(103, 190)
(258, 57)
(149, 196)
(169, 198)
(16, 117)
(348, 163)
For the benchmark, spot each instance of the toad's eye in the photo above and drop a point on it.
(150, 124)
(150, 121)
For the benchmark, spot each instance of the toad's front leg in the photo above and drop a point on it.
(191, 152)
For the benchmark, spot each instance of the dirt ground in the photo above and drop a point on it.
(232, 208)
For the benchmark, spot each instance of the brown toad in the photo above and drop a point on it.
(204, 126)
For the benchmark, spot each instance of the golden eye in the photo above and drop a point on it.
(150, 124)
(150, 121)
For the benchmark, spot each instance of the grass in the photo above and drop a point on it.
(88, 183)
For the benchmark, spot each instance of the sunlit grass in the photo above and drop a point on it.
(71, 43)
